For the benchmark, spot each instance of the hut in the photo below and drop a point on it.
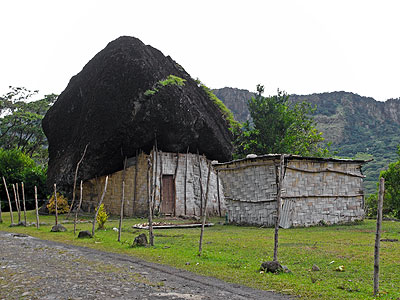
(176, 183)
(314, 190)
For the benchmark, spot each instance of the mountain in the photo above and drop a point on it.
(358, 127)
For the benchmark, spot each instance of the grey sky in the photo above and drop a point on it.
(301, 47)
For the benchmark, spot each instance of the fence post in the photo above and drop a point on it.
(378, 234)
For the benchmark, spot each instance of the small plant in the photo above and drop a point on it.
(62, 204)
(102, 217)
(149, 93)
(173, 80)
(170, 80)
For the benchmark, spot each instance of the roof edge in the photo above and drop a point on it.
(295, 157)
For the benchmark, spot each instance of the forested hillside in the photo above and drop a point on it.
(358, 127)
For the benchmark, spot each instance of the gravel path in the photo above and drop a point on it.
(31, 268)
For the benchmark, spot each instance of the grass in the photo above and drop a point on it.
(234, 254)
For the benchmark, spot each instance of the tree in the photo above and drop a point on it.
(21, 122)
(17, 167)
(392, 188)
(278, 126)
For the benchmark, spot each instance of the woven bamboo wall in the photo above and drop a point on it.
(93, 188)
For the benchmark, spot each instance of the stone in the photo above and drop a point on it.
(58, 228)
(117, 105)
(271, 266)
(315, 268)
(140, 240)
(84, 234)
(22, 223)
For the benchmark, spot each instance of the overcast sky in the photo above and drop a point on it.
(301, 47)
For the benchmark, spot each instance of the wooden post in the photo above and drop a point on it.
(16, 203)
(75, 177)
(98, 206)
(201, 183)
(79, 206)
(184, 183)
(151, 179)
(161, 183)
(55, 202)
(135, 183)
(175, 174)
(149, 204)
(378, 234)
(204, 213)
(218, 196)
(9, 201)
(23, 201)
(36, 208)
(19, 203)
(278, 205)
(122, 202)
(1, 217)
(154, 181)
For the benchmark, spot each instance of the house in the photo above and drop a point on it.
(171, 179)
(314, 190)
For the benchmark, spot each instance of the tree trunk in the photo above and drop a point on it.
(19, 203)
(161, 183)
(23, 201)
(16, 203)
(55, 202)
(175, 174)
(9, 201)
(135, 184)
(36, 208)
(149, 204)
(75, 177)
(121, 216)
(378, 234)
(201, 183)
(218, 196)
(204, 213)
(154, 180)
(278, 205)
(185, 183)
(79, 206)
(98, 206)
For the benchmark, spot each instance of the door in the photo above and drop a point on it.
(168, 195)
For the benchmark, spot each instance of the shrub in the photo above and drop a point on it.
(62, 204)
(102, 217)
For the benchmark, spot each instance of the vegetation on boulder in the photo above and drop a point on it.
(228, 115)
(170, 80)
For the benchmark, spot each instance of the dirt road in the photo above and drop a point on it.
(31, 268)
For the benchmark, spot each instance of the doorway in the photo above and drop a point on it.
(168, 195)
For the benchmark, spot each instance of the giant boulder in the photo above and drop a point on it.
(117, 105)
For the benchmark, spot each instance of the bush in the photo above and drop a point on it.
(62, 204)
(102, 217)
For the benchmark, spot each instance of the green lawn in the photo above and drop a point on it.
(235, 253)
